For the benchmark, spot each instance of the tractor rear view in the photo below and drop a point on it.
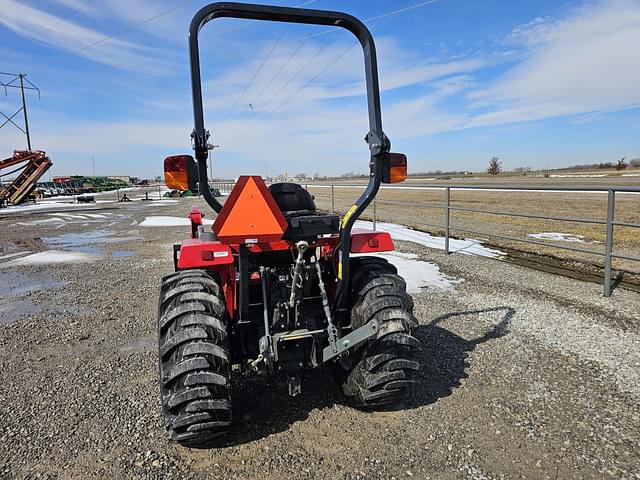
(277, 286)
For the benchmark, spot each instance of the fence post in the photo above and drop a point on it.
(447, 200)
(333, 201)
(611, 199)
(374, 214)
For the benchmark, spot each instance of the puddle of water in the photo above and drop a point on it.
(13, 309)
(88, 249)
(81, 242)
(122, 253)
(14, 286)
(141, 344)
(18, 284)
(84, 238)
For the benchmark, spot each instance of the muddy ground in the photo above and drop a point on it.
(526, 374)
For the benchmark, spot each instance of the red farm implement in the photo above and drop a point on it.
(30, 166)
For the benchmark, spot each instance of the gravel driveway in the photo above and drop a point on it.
(526, 374)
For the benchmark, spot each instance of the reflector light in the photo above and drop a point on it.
(395, 168)
(250, 214)
(177, 163)
(176, 172)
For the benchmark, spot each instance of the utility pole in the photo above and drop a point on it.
(24, 110)
(17, 80)
(93, 162)
(210, 160)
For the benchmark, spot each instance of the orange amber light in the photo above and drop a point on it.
(395, 168)
(176, 172)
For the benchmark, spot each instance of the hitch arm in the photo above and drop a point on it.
(351, 340)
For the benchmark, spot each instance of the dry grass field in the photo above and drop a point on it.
(422, 209)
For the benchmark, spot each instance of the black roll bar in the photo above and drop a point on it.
(379, 144)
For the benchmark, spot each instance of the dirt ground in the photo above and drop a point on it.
(525, 374)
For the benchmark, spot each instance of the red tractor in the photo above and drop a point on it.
(277, 286)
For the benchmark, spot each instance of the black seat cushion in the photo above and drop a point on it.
(298, 207)
(291, 197)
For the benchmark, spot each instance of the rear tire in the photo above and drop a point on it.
(383, 372)
(194, 358)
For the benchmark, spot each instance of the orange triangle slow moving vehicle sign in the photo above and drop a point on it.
(250, 214)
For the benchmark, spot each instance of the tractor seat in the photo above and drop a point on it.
(299, 209)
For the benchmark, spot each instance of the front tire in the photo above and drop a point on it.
(383, 372)
(194, 358)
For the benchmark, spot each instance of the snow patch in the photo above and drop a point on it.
(468, 246)
(69, 215)
(416, 273)
(52, 256)
(562, 237)
(11, 255)
(163, 221)
(578, 175)
(63, 218)
(37, 206)
(43, 221)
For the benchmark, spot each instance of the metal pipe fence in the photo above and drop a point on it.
(609, 253)
(223, 187)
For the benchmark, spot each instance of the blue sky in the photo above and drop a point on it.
(538, 83)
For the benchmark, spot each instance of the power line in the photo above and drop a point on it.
(400, 10)
(231, 29)
(334, 61)
(381, 16)
(67, 17)
(275, 75)
(133, 26)
(306, 84)
(300, 70)
(255, 75)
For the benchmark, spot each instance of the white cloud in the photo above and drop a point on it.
(582, 64)
(37, 24)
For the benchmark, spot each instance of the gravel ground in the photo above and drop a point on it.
(526, 374)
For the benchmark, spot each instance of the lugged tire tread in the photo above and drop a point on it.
(216, 426)
(187, 396)
(205, 348)
(183, 367)
(384, 370)
(208, 405)
(191, 419)
(171, 315)
(181, 337)
(195, 368)
(217, 304)
(205, 321)
(209, 378)
(182, 288)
